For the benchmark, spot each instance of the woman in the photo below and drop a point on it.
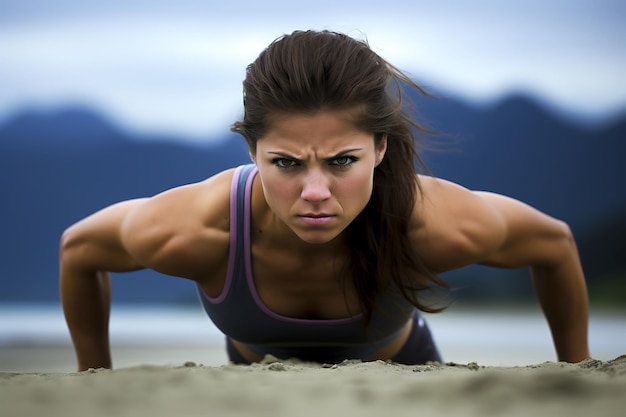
(323, 248)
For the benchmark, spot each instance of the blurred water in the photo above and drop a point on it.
(164, 334)
(44, 324)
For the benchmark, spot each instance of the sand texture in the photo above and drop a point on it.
(291, 388)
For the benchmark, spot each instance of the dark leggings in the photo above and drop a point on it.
(233, 354)
(418, 349)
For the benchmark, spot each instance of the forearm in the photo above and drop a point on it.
(87, 249)
(562, 293)
(86, 298)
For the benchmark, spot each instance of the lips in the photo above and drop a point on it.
(316, 215)
(316, 219)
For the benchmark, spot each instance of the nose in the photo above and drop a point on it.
(315, 187)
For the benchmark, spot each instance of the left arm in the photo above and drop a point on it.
(548, 247)
(456, 227)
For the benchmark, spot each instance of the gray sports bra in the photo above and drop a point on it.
(241, 315)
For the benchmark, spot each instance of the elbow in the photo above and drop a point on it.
(71, 245)
(566, 237)
(563, 248)
(564, 230)
(67, 246)
(67, 241)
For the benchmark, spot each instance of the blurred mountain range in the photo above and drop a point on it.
(57, 167)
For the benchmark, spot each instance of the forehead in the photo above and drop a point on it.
(313, 127)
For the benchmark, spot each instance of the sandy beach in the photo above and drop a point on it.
(169, 363)
(291, 388)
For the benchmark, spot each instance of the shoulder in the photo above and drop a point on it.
(453, 227)
(183, 231)
(203, 202)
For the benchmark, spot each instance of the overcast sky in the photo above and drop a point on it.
(177, 66)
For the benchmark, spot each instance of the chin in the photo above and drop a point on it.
(318, 238)
(316, 241)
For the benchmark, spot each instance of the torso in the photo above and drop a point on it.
(294, 284)
(275, 264)
(289, 283)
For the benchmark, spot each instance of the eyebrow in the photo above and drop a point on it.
(335, 156)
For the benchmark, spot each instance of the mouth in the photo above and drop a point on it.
(316, 219)
(316, 215)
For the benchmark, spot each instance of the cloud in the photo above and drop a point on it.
(159, 67)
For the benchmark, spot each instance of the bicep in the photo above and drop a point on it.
(459, 227)
(183, 231)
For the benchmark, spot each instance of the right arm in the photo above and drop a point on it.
(182, 232)
(88, 251)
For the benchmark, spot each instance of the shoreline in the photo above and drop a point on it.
(37, 340)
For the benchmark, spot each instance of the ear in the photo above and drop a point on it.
(252, 156)
(381, 149)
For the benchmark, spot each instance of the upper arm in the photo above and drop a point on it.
(181, 232)
(531, 238)
(95, 243)
(459, 227)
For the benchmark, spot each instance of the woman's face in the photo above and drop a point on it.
(317, 172)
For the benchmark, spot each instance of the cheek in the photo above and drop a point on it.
(278, 191)
(356, 188)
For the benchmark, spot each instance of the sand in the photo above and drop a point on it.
(290, 388)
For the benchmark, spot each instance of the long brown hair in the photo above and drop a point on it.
(309, 71)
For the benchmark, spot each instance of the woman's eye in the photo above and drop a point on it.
(343, 161)
(284, 163)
